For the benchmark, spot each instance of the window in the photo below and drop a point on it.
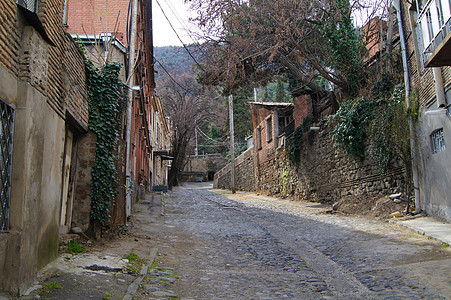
(259, 138)
(269, 129)
(31, 5)
(433, 24)
(6, 148)
(438, 141)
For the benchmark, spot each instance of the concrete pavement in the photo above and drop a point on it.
(429, 227)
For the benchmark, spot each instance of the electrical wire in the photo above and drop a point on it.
(176, 33)
(170, 76)
(209, 138)
(181, 21)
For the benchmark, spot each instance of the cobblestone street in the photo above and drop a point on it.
(245, 246)
(197, 243)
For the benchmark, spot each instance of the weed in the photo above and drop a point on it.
(132, 257)
(74, 247)
(135, 263)
(445, 245)
(154, 264)
(107, 296)
(48, 287)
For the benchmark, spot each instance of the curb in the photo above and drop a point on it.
(434, 231)
(133, 287)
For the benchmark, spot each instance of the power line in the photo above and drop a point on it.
(180, 20)
(170, 76)
(176, 33)
(209, 138)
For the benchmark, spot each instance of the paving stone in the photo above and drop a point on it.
(257, 249)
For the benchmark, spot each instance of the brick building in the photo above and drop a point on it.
(94, 17)
(99, 49)
(148, 122)
(427, 31)
(44, 114)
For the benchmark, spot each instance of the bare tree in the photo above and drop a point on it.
(188, 104)
(248, 42)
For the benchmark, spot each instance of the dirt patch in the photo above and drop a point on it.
(380, 208)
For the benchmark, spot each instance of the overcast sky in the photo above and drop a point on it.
(178, 13)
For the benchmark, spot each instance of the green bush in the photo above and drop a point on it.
(350, 132)
(74, 247)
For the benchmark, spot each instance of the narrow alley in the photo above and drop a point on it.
(210, 244)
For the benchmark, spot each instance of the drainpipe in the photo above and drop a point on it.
(131, 63)
(397, 5)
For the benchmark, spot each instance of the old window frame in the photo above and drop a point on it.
(259, 138)
(6, 154)
(438, 141)
(269, 129)
(433, 24)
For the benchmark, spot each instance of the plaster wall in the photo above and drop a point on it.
(43, 84)
(434, 169)
(36, 185)
(435, 175)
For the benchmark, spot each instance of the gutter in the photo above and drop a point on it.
(397, 5)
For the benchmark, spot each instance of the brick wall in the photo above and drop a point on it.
(421, 79)
(302, 109)
(57, 72)
(81, 17)
(9, 36)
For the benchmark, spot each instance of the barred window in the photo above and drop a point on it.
(6, 148)
(438, 141)
(31, 5)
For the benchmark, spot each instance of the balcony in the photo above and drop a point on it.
(440, 48)
(434, 22)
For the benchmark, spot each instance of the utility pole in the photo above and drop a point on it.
(131, 70)
(232, 144)
(196, 150)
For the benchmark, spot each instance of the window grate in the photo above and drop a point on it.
(438, 141)
(6, 147)
(31, 5)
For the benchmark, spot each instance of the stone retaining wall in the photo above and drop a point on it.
(244, 173)
(325, 173)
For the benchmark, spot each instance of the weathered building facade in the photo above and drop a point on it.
(427, 31)
(149, 134)
(98, 49)
(44, 112)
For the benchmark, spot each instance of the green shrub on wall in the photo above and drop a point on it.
(384, 121)
(351, 131)
(106, 95)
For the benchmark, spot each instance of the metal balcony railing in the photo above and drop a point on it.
(6, 151)
(434, 21)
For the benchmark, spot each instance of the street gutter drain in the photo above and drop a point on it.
(102, 268)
